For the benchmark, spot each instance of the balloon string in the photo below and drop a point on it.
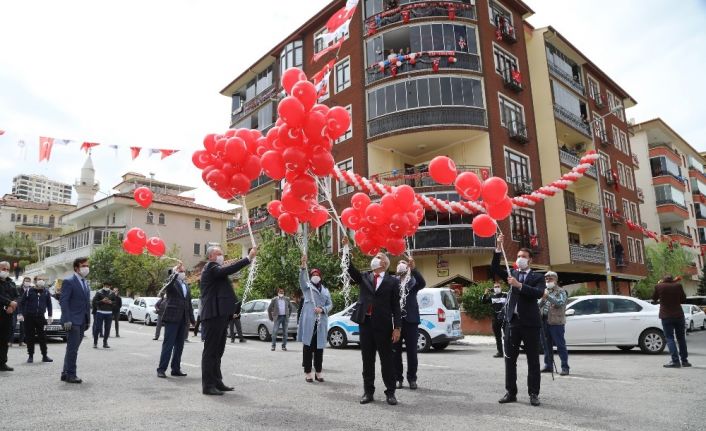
(253, 264)
(327, 194)
(247, 220)
(507, 301)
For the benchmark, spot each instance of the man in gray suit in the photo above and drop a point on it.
(75, 301)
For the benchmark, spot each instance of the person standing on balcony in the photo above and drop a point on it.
(7, 305)
(553, 307)
(32, 306)
(410, 323)
(313, 328)
(669, 294)
(75, 315)
(619, 253)
(522, 321)
(497, 301)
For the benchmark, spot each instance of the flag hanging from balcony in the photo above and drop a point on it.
(86, 146)
(167, 153)
(321, 79)
(45, 145)
(336, 30)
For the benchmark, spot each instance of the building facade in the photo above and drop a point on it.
(673, 184)
(39, 221)
(38, 188)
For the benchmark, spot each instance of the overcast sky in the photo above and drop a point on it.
(148, 73)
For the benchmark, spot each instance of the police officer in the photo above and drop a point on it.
(32, 305)
(7, 309)
(497, 302)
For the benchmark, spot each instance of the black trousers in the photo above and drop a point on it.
(5, 328)
(34, 332)
(530, 337)
(372, 341)
(409, 335)
(498, 332)
(233, 326)
(313, 352)
(116, 319)
(213, 348)
(158, 326)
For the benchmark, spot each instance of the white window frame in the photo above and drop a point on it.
(616, 137)
(631, 250)
(611, 249)
(634, 213)
(349, 133)
(640, 249)
(626, 209)
(505, 53)
(335, 75)
(338, 183)
(504, 99)
(506, 150)
(534, 222)
(589, 80)
(624, 147)
(490, 12)
(621, 173)
(611, 200)
(602, 170)
(629, 182)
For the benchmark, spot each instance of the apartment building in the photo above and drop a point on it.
(37, 220)
(38, 188)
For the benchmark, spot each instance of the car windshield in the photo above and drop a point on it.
(686, 308)
(449, 300)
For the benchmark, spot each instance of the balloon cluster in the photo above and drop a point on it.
(493, 191)
(136, 240)
(299, 147)
(385, 224)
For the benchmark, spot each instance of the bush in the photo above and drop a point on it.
(643, 290)
(338, 300)
(583, 290)
(471, 300)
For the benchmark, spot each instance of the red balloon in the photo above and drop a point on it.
(319, 217)
(395, 246)
(290, 77)
(304, 188)
(273, 164)
(350, 218)
(293, 204)
(322, 163)
(320, 108)
(295, 159)
(239, 185)
(375, 214)
(251, 167)
(209, 142)
(235, 150)
(305, 92)
(230, 133)
(291, 110)
(275, 208)
(389, 203)
(201, 158)
(468, 185)
(132, 248)
(418, 211)
(442, 169)
(156, 247)
(500, 210)
(220, 147)
(404, 195)
(399, 223)
(484, 226)
(338, 120)
(494, 190)
(412, 224)
(290, 137)
(262, 146)
(143, 196)
(136, 237)
(360, 201)
(288, 223)
(272, 135)
(315, 126)
(216, 179)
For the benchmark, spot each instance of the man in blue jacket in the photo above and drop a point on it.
(410, 324)
(75, 301)
(33, 304)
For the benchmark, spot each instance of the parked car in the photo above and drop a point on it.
(143, 309)
(53, 330)
(440, 322)
(614, 320)
(700, 301)
(254, 319)
(195, 306)
(694, 316)
(123, 308)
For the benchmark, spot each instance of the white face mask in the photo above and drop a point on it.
(4, 274)
(41, 283)
(550, 285)
(181, 276)
(25, 284)
(281, 295)
(375, 263)
(220, 259)
(497, 290)
(106, 289)
(84, 270)
(316, 279)
(401, 268)
(522, 262)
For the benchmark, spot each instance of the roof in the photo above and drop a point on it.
(12, 201)
(661, 122)
(175, 200)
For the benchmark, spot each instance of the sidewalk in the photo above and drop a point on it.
(477, 340)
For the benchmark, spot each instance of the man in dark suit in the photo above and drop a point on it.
(177, 312)
(217, 308)
(410, 324)
(522, 321)
(75, 301)
(7, 309)
(379, 316)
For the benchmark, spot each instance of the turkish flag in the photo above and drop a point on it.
(86, 146)
(135, 152)
(45, 145)
(167, 153)
(339, 18)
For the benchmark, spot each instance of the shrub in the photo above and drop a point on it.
(338, 300)
(583, 290)
(471, 300)
(643, 290)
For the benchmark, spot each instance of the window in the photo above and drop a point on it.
(161, 218)
(603, 163)
(568, 67)
(504, 62)
(698, 186)
(511, 114)
(696, 164)
(629, 182)
(568, 100)
(620, 305)
(150, 218)
(12, 217)
(51, 219)
(349, 132)
(207, 225)
(613, 239)
(318, 41)
(496, 11)
(599, 127)
(517, 168)
(343, 74)
(663, 166)
(324, 233)
(594, 89)
(574, 238)
(626, 209)
(35, 219)
(342, 188)
(609, 200)
(621, 174)
(639, 251)
(588, 306)
(631, 250)
(634, 214)
(197, 223)
(666, 194)
(522, 225)
(624, 146)
(197, 249)
(292, 56)
(259, 307)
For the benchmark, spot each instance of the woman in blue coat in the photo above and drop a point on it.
(313, 323)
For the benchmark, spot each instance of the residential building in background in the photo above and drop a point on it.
(38, 188)
(39, 221)
(673, 184)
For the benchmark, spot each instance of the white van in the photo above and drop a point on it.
(439, 313)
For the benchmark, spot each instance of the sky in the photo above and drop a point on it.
(148, 73)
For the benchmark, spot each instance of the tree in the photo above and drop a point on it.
(16, 247)
(702, 282)
(662, 259)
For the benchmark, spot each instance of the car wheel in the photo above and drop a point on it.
(703, 324)
(652, 341)
(423, 342)
(337, 338)
(625, 348)
(440, 346)
(148, 320)
(129, 318)
(263, 333)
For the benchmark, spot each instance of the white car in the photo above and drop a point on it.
(694, 316)
(143, 309)
(439, 313)
(614, 320)
(124, 307)
(255, 321)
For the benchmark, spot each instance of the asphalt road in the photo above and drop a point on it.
(459, 389)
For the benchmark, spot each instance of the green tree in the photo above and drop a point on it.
(702, 283)
(471, 300)
(661, 260)
(15, 247)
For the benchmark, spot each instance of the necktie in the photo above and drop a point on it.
(522, 277)
(375, 287)
(375, 281)
(85, 288)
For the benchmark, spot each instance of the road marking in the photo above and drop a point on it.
(142, 355)
(246, 376)
(433, 366)
(606, 380)
(191, 365)
(540, 423)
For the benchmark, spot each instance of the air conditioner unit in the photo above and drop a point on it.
(580, 147)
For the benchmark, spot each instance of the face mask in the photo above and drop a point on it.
(281, 295)
(496, 290)
(551, 285)
(40, 284)
(181, 276)
(25, 284)
(375, 263)
(84, 270)
(522, 262)
(401, 268)
(220, 259)
(316, 279)
(106, 289)
(4, 274)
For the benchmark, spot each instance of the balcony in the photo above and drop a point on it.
(434, 116)
(419, 10)
(257, 224)
(571, 160)
(512, 80)
(587, 254)
(260, 181)
(39, 225)
(566, 78)
(678, 236)
(418, 177)
(504, 30)
(572, 120)
(519, 186)
(602, 137)
(640, 195)
(517, 131)
(252, 105)
(447, 237)
(671, 211)
(635, 160)
(464, 61)
(583, 208)
(598, 101)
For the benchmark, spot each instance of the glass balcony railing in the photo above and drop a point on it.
(413, 10)
(464, 61)
(583, 208)
(572, 120)
(572, 160)
(587, 254)
(670, 202)
(260, 181)
(566, 78)
(431, 116)
(419, 176)
(445, 237)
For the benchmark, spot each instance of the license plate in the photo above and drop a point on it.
(53, 327)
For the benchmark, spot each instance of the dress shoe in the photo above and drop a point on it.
(95, 345)
(498, 355)
(117, 336)
(547, 370)
(273, 348)
(30, 359)
(367, 398)
(399, 384)
(4, 367)
(534, 400)
(212, 391)
(46, 358)
(224, 388)
(63, 377)
(106, 346)
(508, 398)
(564, 372)
(284, 349)
(672, 364)
(685, 364)
(178, 374)
(243, 340)
(308, 378)
(161, 374)
(318, 378)
(155, 338)
(73, 379)
(413, 385)
(391, 400)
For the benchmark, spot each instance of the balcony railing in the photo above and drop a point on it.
(461, 237)
(252, 105)
(583, 208)
(39, 225)
(635, 160)
(419, 176)
(512, 79)
(256, 224)
(504, 30)
(259, 181)
(640, 195)
(675, 231)
(598, 100)
(419, 10)
(517, 130)
(519, 185)
(464, 61)
(602, 137)
(572, 120)
(433, 116)
(670, 202)
(566, 78)
(587, 254)
(572, 160)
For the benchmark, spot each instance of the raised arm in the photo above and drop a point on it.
(495, 266)
(303, 276)
(352, 270)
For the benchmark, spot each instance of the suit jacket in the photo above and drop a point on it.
(75, 301)
(217, 295)
(7, 292)
(525, 298)
(411, 306)
(273, 308)
(385, 300)
(176, 306)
